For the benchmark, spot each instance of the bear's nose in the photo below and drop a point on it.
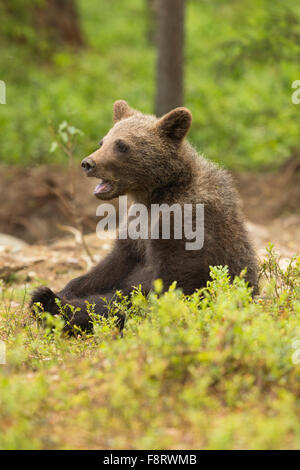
(88, 164)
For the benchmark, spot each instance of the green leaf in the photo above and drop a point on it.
(53, 147)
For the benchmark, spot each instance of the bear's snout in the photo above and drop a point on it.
(89, 165)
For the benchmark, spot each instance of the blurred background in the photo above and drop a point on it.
(64, 62)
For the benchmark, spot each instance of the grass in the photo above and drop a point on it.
(215, 370)
(239, 69)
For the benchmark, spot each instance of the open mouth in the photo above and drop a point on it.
(103, 187)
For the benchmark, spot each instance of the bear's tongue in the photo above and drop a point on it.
(102, 187)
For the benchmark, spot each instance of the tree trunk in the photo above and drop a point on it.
(54, 22)
(170, 42)
(60, 19)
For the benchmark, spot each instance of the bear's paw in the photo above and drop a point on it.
(47, 300)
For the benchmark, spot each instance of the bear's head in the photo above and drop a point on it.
(140, 153)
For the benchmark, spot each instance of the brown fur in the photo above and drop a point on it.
(149, 159)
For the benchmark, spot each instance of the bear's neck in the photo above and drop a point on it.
(173, 183)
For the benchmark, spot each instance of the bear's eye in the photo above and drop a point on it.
(121, 146)
(100, 143)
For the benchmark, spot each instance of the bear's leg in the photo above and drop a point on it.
(107, 275)
(75, 311)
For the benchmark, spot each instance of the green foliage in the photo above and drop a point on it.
(239, 72)
(213, 370)
(65, 138)
(283, 283)
(18, 22)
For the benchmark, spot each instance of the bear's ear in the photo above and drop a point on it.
(175, 124)
(122, 110)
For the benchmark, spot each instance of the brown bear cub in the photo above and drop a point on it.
(149, 160)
